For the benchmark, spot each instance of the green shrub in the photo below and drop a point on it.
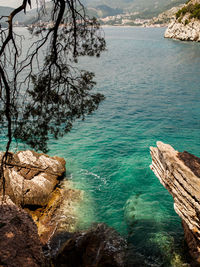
(186, 22)
(179, 20)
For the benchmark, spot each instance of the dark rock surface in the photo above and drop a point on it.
(19, 241)
(100, 246)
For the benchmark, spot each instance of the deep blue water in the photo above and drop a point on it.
(152, 93)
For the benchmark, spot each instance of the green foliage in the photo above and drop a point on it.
(186, 22)
(43, 95)
(193, 9)
(179, 20)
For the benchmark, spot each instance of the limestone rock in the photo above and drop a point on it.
(184, 27)
(99, 246)
(179, 173)
(31, 177)
(189, 32)
(19, 241)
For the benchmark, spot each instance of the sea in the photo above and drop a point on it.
(152, 93)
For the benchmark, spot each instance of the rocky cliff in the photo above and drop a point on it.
(185, 25)
(179, 173)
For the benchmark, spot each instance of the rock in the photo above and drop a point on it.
(180, 31)
(179, 173)
(184, 27)
(32, 181)
(19, 241)
(31, 177)
(59, 215)
(100, 246)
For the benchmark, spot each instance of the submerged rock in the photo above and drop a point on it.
(19, 240)
(99, 246)
(179, 173)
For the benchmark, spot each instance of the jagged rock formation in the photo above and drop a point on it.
(179, 173)
(186, 24)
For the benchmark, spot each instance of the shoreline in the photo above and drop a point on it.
(129, 26)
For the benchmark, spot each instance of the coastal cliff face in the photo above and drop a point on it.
(186, 23)
(179, 173)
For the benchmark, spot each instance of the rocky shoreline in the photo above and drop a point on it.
(185, 25)
(38, 215)
(180, 31)
(38, 218)
(179, 173)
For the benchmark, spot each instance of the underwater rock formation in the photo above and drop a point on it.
(179, 173)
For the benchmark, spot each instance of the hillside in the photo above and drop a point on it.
(129, 11)
(146, 9)
(21, 17)
(165, 17)
(186, 24)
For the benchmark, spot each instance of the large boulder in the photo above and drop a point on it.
(19, 241)
(99, 246)
(31, 177)
(179, 173)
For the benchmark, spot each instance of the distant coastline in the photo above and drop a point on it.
(133, 26)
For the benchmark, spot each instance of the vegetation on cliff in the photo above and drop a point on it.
(192, 9)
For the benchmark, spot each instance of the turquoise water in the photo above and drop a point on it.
(152, 93)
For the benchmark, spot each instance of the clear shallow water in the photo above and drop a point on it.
(152, 93)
